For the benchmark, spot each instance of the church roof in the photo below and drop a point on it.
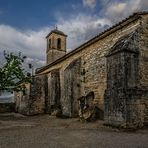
(127, 43)
(57, 32)
(105, 33)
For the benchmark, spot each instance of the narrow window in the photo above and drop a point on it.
(59, 43)
(49, 43)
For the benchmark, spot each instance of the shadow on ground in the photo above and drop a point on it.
(44, 131)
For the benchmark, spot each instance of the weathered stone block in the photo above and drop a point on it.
(54, 91)
(72, 86)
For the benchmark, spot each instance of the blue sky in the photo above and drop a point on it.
(32, 13)
(38, 13)
(25, 23)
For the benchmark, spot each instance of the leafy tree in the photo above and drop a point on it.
(12, 72)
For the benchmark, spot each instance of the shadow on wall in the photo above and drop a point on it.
(7, 107)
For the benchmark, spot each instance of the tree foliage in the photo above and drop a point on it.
(12, 72)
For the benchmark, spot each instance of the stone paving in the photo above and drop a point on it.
(17, 131)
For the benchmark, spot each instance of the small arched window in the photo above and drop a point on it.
(59, 43)
(49, 43)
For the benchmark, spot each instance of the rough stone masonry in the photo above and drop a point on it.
(113, 65)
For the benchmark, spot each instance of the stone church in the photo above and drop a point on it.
(113, 66)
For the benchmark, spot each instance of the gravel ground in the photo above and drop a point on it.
(17, 131)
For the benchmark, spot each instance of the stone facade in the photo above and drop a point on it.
(89, 69)
(33, 100)
(56, 45)
(122, 98)
(127, 88)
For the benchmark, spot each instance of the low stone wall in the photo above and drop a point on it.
(38, 89)
(32, 101)
(7, 107)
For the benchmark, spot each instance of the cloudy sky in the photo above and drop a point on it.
(25, 23)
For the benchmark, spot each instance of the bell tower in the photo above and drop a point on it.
(56, 45)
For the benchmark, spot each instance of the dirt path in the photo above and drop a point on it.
(18, 131)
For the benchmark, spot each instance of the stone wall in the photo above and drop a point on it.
(38, 95)
(54, 91)
(71, 89)
(124, 95)
(7, 107)
(143, 65)
(22, 100)
(32, 100)
(93, 64)
(53, 52)
(120, 79)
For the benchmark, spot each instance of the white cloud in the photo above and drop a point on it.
(37, 63)
(30, 43)
(116, 10)
(89, 3)
(33, 43)
(81, 28)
